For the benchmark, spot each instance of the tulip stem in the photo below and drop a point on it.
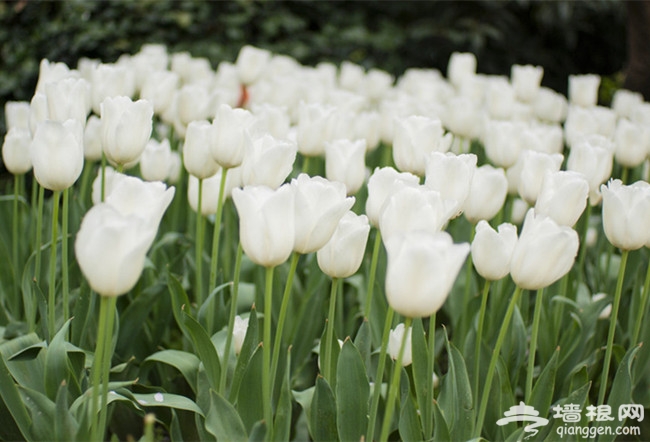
(51, 301)
(64, 254)
(266, 347)
(99, 372)
(216, 235)
(286, 296)
(612, 328)
(14, 244)
(479, 337)
(109, 312)
(231, 320)
(641, 310)
(494, 359)
(372, 275)
(39, 233)
(533, 342)
(329, 337)
(103, 179)
(376, 393)
(428, 423)
(305, 164)
(394, 384)
(467, 297)
(583, 244)
(198, 246)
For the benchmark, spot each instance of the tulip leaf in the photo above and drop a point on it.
(440, 427)
(223, 421)
(249, 402)
(335, 350)
(134, 317)
(542, 394)
(56, 362)
(82, 315)
(409, 423)
(258, 432)
(422, 379)
(10, 396)
(251, 341)
(65, 426)
(578, 397)
(205, 348)
(322, 419)
(167, 400)
(282, 423)
(352, 392)
(363, 342)
(186, 363)
(42, 410)
(180, 302)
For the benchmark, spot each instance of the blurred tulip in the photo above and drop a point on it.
(519, 210)
(632, 143)
(563, 196)
(492, 250)
(487, 193)
(210, 193)
(126, 128)
(230, 129)
(345, 162)
(156, 160)
(500, 99)
(593, 158)
(108, 81)
(268, 161)
(266, 223)
(550, 106)
(57, 154)
(501, 140)
(194, 102)
(251, 63)
(624, 101)
(422, 268)
(395, 342)
(351, 75)
(415, 138)
(17, 115)
(239, 333)
(68, 99)
(197, 149)
(583, 89)
(175, 167)
(377, 83)
(319, 206)
(461, 66)
(15, 150)
(381, 184)
(464, 117)
(38, 111)
(314, 127)
(159, 88)
(342, 255)
(526, 81)
(544, 253)
(93, 139)
(50, 72)
(451, 175)
(626, 214)
(534, 166)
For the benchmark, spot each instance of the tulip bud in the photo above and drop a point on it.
(563, 197)
(395, 343)
(487, 193)
(239, 333)
(345, 161)
(606, 311)
(451, 175)
(230, 132)
(526, 81)
(415, 138)
(251, 63)
(422, 268)
(501, 140)
(343, 254)
(68, 99)
(126, 128)
(156, 160)
(550, 106)
(624, 102)
(626, 214)
(593, 158)
(210, 191)
(583, 89)
(492, 250)
(15, 150)
(17, 114)
(266, 223)
(381, 184)
(110, 80)
(197, 149)
(314, 128)
(194, 102)
(37, 111)
(376, 83)
(519, 210)
(319, 205)
(464, 117)
(268, 161)
(632, 143)
(544, 253)
(50, 72)
(500, 99)
(461, 66)
(534, 166)
(57, 153)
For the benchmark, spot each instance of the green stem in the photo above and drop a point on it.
(373, 273)
(97, 368)
(51, 300)
(109, 312)
(266, 347)
(85, 180)
(625, 172)
(428, 423)
(494, 359)
(39, 233)
(329, 337)
(612, 328)
(394, 385)
(103, 182)
(231, 320)
(583, 243)
(286, 296)
(305, 164)
(533, 342)
(198, 246)
(374, 406)
(642, 307)
(65, 277)
(479, 338)
(214, 262)
(467, 296)
(14, 245)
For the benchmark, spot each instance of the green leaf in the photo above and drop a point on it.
(65, 426)
(43, 412)
(223, 421)
(167, 400)
(134, 317)
(251, 341)
(352, 393)
(322, 419)
(249, 399)
(542, 395)
(56, 362)
(282, 424)
(205, 349)
(10, 395)
(180, 302)
(186, 363)
(335, 350)
(422, 379)
(409, 423)
(258, 432)
(440, 428)
(363, 342)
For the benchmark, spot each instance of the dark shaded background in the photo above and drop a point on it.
(565, 37)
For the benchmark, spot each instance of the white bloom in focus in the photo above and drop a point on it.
(343, 254)
(381, 184)
(492, 250)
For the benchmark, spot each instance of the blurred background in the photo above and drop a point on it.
(565, 37)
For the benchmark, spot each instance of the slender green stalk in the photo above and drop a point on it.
(266, 348)
(286, 296)
(214, 262)
(467, 296)
(612, 328)
(231, 320)
(14, 244)
(625, 172)
(373, 274)
(85, 182)
(479, 338)
(642, 307)
(494, 359)
(374, 405)
(109, 312)
(533, 342)
(65, 277)
(103, 185)
(51, 300)
(305, 164)
(329, 337)
(198, 246)
(97, 368)
(39, 233)
(583, 243)
(428, 421)
(394, 384)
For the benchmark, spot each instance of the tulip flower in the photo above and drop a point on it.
(533, 167)
(376, 83)
(502, 142)
(57, 153)
(268, 161)
(626, 214)
(351, 75)
(38, 111)
(110, 80)
(463, 117)
(266, 223)
(395, 341)
(550, 106)
(563, 196)
(159, 88)
(50, 72)
(625, 101)
(544, 252)
(342, 255)
(632, 143)
(17, 115)
(272, 119)
(194, 102)
(450, 175)
(461, 66)
(415, 138)
(583, 89)
(230, 132)
(345, 161)
(251, 62)
(492, 250)
(593, 158)
(526, 81)
(500, 99)
(156, 160)
(197, 149)
(15, 150)
(422, 268)
(487, 193)
(126, 128)
(381, 184)
(68, 99)
(93, 139)
(314, 127)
